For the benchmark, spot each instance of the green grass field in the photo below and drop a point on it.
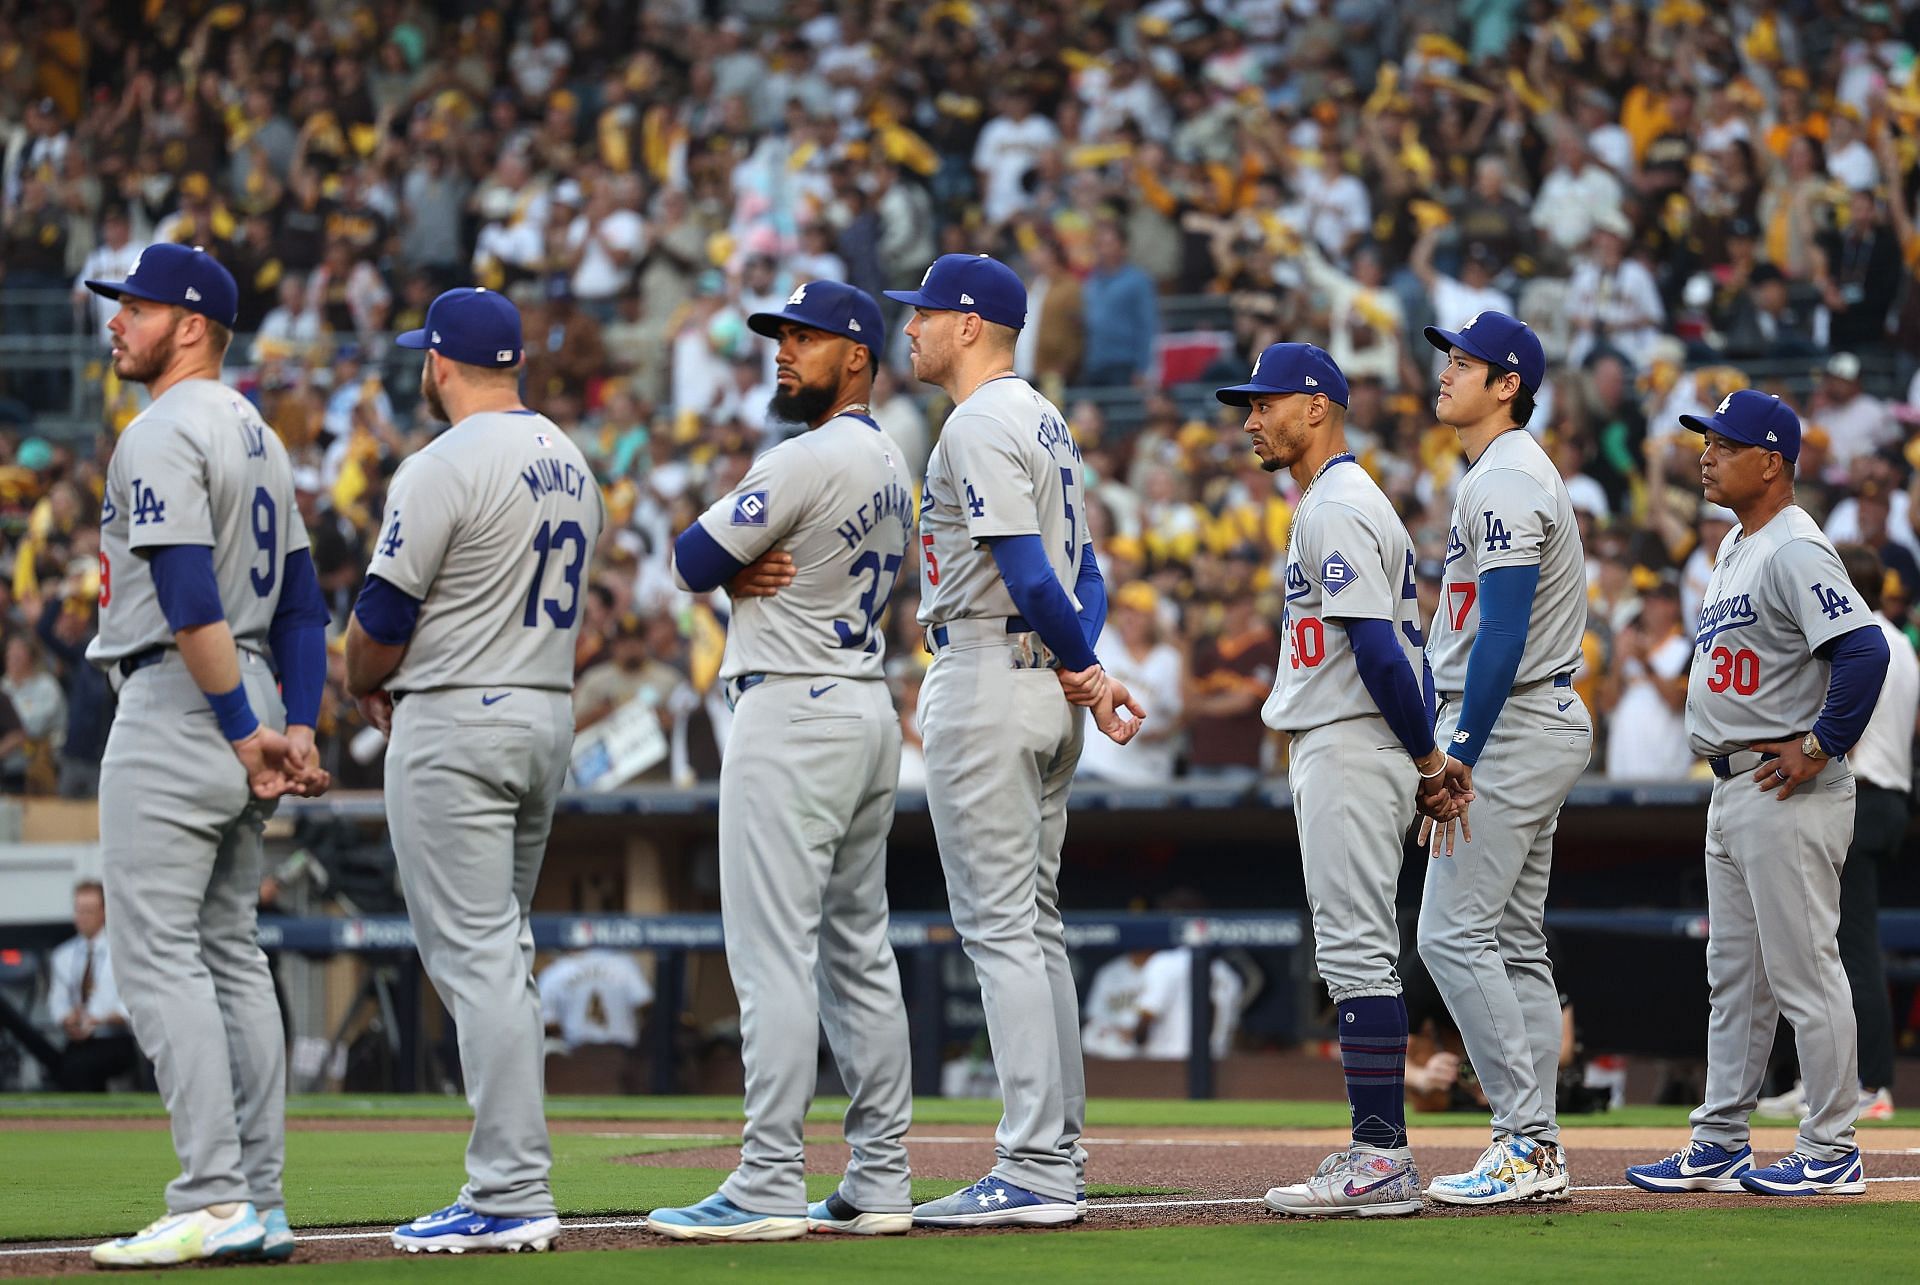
(98, 1180)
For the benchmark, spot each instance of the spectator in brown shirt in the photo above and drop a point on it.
(1231, 675)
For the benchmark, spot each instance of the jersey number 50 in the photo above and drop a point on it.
(551, 538)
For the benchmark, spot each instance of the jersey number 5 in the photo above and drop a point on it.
(551, 538)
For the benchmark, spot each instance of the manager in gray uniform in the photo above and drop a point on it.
(462, 644)
(1002, 534)
(1787, 666)
(807, 783)
(206, 587)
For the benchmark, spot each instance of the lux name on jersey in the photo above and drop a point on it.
(545, 477)
(892, 502)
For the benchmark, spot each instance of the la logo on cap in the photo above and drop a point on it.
(1470, 322)
(795, 299)
(1725, 402)
(1256, 366)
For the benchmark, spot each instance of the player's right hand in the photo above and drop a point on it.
(1107, 716)
(1083, 686)
(377, 708)
(264, 755)
(764, 577)
(309, 779)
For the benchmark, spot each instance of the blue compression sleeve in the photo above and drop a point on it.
(1389, 680)
(1037, 595)
(700, 563)
(1506, 611)
(1859, 667)
(298, 639)
(1091, 590)
(184, 582)
(386, 613)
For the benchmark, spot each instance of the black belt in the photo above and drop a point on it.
(1738, 763)
(129, 665)
(1015, 625)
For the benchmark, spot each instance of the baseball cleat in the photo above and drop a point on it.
(1080, 1196)
(279, 1243)
(1702, 1166)
(1511, 1169)
(834, 1214)
(1876, 1106)
(186, 1238)
(993, 1202)
(1365, 1182)
(459, 1227)
(717, 1218)
(1791, 1105)
(1798, 1175)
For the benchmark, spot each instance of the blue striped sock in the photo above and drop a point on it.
(1373, 1051)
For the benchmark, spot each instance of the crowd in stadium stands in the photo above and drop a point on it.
(1684, 198)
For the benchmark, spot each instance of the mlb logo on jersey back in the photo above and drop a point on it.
(750, 509)
(543, 441)
(1335, 573)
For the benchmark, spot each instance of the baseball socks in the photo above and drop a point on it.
(1373, 1052)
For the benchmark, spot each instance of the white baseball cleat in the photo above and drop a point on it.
(1364, 1182)
(1511, 1169)
(186, 1238)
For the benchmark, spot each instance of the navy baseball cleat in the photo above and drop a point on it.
(992, 1202)
(834, 1214)
(459, 1227)
(1798, 1175)
(1702, 1166)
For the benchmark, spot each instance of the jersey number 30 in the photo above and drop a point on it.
(552, 538)
(1739, 670)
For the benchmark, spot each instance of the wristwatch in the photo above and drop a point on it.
(1812, 749)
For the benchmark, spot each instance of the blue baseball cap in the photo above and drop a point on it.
(970, 283)
(1499, 340)
(1288, 368)
(830, 306)
(472, 325)
(1755, 419)
(184, 276)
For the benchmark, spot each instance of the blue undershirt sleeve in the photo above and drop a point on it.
(298, 639)
(1859, 659)
(1389, 680)
(386, 613)
(1038, 596)
(1091, 590)
(700, 564)
(184, 582)
(1506, 611)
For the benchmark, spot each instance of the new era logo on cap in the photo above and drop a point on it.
(1771, 437)
(1513, 359)
(436, 336)
(966, 299)
(853, 325)
(1312, 382)
(193, 294)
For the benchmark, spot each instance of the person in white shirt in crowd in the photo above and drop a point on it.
(1850, 162)
(1882, 762)
(111, 260)
(594, 997)
(1008, 148)
(606, 239)
(1587, 495)
(291, 321)
(1575, 192)
(82, 997)
(1165, 1025)
(1111, 1010)
(1644, 692)
(1469, 294)
(1598, 119)
(1712, 524)
(1857, 422)
(1366, 322)
(1612, 301)
(1152, 669)
(1333, 206)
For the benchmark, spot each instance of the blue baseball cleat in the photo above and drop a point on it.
(992, 1202)
(277, 1246)
(459, 1227)
(834, 1214)
(1702, 1166)
(717, 1218)
(1798, 1175)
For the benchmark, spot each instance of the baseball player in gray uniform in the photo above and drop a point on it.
(1356, 696)
(461, 644)
(1505, 644)
(206, 588)
(1787, 666)
(807, 783)
(1002, 534)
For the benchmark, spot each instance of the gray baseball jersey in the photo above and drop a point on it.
(1348, 558)
(1775, 596)
(491, 527)
(180, 847)
(1512, 510)
(1006, 464)
(198, 466)
(837, 500)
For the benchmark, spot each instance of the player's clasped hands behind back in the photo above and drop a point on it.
(1444, 792)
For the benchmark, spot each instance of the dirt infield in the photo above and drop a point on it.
(1218, 1175)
